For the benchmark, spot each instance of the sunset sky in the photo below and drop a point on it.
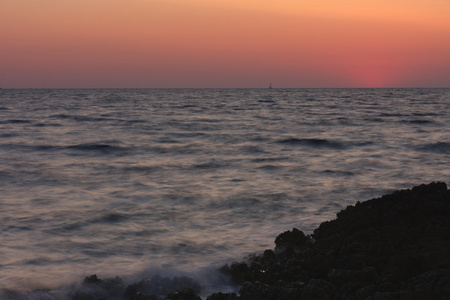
(224, 43)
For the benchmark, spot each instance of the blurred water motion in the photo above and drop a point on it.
(116, 181)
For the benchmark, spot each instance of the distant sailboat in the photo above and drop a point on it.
(270, 86)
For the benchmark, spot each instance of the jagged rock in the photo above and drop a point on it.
(241, 272)
(289, 290)
(340, 277)
(139, 296)
(319, 289)
(295, 238)
(78, 295)
(94, 288)
(393, 247)
(158, 285)
(93, 279)
(222, 296)
(185, 294)
(279, 291)
(434, 284)
(257, 291)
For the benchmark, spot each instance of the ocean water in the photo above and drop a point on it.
(135, 182)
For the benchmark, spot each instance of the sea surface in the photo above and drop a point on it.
(137, 182)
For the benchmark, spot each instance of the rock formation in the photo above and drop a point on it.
(393, 247)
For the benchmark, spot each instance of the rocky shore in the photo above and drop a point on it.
(393, 247)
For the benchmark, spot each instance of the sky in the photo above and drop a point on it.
(224, 43)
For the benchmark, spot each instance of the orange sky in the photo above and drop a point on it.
(224, 43)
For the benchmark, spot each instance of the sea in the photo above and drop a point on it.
(173, 182)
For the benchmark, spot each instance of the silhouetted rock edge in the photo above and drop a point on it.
(393, 247)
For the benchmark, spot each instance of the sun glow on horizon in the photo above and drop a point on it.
(199, 43)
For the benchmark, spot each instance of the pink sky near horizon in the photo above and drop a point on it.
(218, 43)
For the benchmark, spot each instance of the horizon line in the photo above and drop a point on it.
(210, 88)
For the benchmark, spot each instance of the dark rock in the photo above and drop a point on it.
(319, 289)
(434, 284)
(185, 282)
(354, 262)
(240, 272)
(93, 279)
(78, 295)
(83, 296)
(94, 288)
(398, 234)
(361, 292)
(185, 294)
(158, 285)
(393, 247)
(289, 290)
(340, 277)
(139, 296)
(279, 291)
(223, 296)
(269, 258)
(258, 291)
(295, 238)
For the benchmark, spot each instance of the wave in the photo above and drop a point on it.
(101, 148)
(314, 143)
(338, 172)
(209, 165)
(96, 147)
(158, 281)
(426, 114)
(22, 121)
(141, 169)
(439, 147)
(393, 115)
(187, 106)
(269, 159)
(8, 135)
(270, 167)
(61, 116)
(417, 121)
(375, 120)
(110, 218)
(15, 121)
(47, 125)
(81, 118)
